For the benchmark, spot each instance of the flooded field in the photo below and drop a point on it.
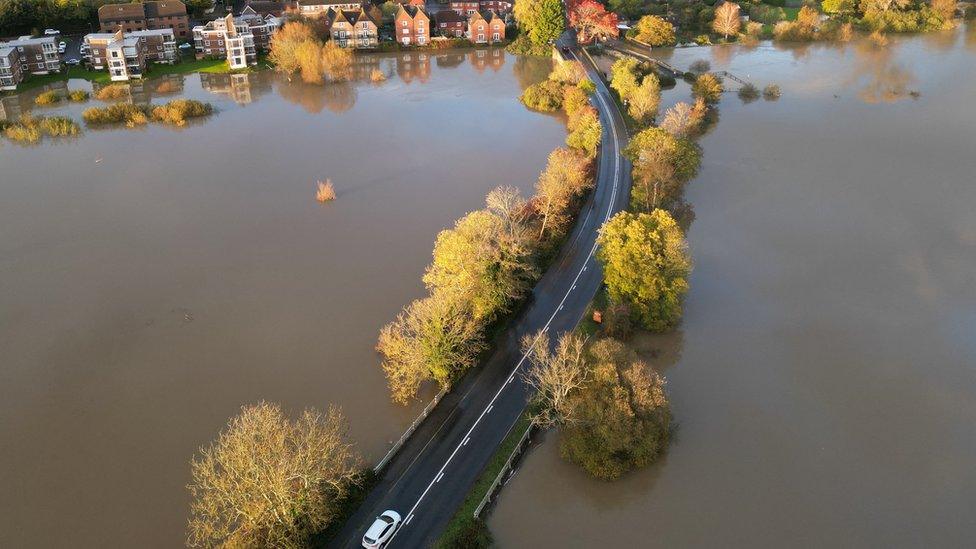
(154, 280)
(824, 378)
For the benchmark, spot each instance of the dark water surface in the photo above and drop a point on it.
(154, 280)
(824, 377)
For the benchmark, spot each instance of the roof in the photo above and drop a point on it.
(413, 12)
(265, 7)
(165, 8)
(325, 2)
(116, 12)
(352, 17)
(28, 41)
(5, 51)
(449, 16)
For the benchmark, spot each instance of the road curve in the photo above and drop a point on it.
(433, 472)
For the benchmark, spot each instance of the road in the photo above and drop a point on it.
(433, 472)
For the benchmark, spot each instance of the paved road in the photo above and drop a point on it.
(431, 475)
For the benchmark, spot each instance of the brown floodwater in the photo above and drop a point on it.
(824, 377)
(154, 280)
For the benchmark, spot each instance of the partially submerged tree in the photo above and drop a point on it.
(646, 265)
(708, 88)
(662, 164)
(432, 338)
(554, 374)
(621, 414)
(644, 101)
(268, 481)
(624, 78)
(336, 61)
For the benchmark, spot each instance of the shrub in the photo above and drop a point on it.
(471, 533)
(766, 14)
(119, 113)
(700, 66)
(654, 30)
(49, 97)
(176, 112)
(112, 92)
(24, 133)
(568, 72)
(618, 321)
(708, 88)
(771, 92)
(546, 96)
(78, 96)
(325, 191)
(376, 76)
(59, 126)
(748, 93)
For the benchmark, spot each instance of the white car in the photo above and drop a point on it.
(382, 530)
(61, 47)
(51, 32)
(185, 45)
(72, 62)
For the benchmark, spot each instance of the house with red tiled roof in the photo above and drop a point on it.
(354, 29)
(486, 28)
(412, 25)
(451, 23)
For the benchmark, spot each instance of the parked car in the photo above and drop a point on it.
(185, 45)
(51, 32)
(382, 530)
(73, 61)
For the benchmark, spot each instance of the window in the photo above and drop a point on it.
(495, 36)
(404, 24)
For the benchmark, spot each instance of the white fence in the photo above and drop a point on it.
(505, 472)
(406, 434)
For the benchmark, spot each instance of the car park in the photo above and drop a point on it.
(381, 530)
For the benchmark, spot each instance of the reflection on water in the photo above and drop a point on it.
(153, 281)
(823, 382)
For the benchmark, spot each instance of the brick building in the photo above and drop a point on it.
(451, 23)
(235, 39)
(486, 28)
(354, 29)
(320, 8)
(467, 8)
(35, 55)
(11, 73)
(412, 26)
(151, 15)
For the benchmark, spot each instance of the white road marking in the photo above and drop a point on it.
(466, 440)
(405, 523)
(439, 477)
(491, 404)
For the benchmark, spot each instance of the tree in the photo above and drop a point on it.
(643, 103)
(585, 131)
(726, 20)
(568, 72)
(567, 175)
(432, 338)
(655, 31)
(574, 99)
(295, 49)
(678, 120)
(478, 264)
(946, 9)
(336, 61)
(623, 77)
(837, 6)
(708, 88)
(621, 414)
(541, 20)
(271, 482)
(662, 164)
(592, 21)
(555, 374)
(646, 265)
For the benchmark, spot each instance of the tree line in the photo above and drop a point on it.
(490, 258)
(18, 17)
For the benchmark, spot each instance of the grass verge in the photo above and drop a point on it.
(464, 530)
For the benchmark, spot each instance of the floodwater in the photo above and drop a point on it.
(154, 280)
(824, 377)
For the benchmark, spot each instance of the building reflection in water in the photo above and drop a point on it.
(413, 65)
(12, 106)
(484, 58)
(241, 88)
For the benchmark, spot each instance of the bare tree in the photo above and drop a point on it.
(678, 120)
(555, 374)
(270, 482)
(726, 19)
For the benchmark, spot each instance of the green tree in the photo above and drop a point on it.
(621, 416)
(837, 6)
(271, 482)
(623, 77)
(585, 131)
(629, 9)
(646, 265)
(663, 163)
(542, 20)
(708, 88)
(643, 102)
(655, 31)
(567, 175)
(478, 264)
(432, 338)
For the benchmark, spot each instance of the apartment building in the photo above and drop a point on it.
(151, 15)
(126, 55)
(36, 55)
(320, 8)
(354, 29)
(497, 6)
(486, 28)
(10, 68)
(412, 26)
(234, 39)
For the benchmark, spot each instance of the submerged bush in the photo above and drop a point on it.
(49, 97)
(771, 92)
(120, 113)
(748, 93)
(59, 126)
(112, 92)
(29, 129)
(708, 88)
(22, 133)
(546, 96)
(176, 112)
(78, 96)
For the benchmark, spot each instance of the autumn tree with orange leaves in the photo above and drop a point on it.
(591, 21)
